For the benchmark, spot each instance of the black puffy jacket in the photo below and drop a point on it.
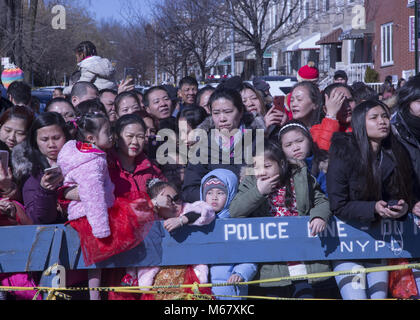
(412, 145)
(345, 184)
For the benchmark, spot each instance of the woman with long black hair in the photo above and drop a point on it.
(406, 127)
(368, 179)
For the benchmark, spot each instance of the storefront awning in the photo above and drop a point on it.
(224, 62)
(310, 43)
(244, 55)
(250, 55)
(268, 53)
(293, 46)
(331, 38)
(354, 34)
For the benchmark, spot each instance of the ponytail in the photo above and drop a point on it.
(87, 48)
(89, 123)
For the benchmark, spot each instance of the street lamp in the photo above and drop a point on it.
(416, 32)
(232, 48)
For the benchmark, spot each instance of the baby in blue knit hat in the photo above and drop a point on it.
(215, 193)
(218, 188)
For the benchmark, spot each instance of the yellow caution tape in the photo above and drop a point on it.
(53, 293)
(321, 275)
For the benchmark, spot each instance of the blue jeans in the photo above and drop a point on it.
(372, 285)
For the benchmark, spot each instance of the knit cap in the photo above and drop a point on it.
(212, 183)
(234, 83)
(308, 72)
(261, 85)
(11, 74)
(340, 74)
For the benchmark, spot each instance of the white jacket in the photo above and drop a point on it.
(98, 71)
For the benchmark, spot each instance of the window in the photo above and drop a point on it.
(306, 8)
(317, 9)
(327, 5)
(300, 12)
(351, 51)
(273, 17)
(387, 54)
(289, 8)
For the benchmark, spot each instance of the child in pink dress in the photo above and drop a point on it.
(106, 226)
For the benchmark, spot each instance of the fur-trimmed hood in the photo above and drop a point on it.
(250, 120)
(21, 165)
(343, 146)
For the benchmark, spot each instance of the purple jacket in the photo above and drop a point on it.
(40, 204)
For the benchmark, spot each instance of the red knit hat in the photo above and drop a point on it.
(308, 72)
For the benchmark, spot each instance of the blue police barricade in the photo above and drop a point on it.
(35, 248)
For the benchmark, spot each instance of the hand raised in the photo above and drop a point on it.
(126, 85)
(275, 117)
(334, 102)
(267, 185)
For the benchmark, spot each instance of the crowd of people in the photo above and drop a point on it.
(93, 159)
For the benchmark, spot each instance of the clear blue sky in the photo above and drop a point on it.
(112, 8)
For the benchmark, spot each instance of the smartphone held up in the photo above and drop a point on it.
(278, 102)
(53, 171)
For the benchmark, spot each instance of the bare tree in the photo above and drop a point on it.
(186, 26)
(29, 39)
(171, 58)
(11, 28)
(259, 24)
(33, 11)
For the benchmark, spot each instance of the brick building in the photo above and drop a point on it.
(393, 44)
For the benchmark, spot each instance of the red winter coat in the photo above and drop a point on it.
(322, 133)
(126, 182)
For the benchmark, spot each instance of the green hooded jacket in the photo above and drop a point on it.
(310, 201)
